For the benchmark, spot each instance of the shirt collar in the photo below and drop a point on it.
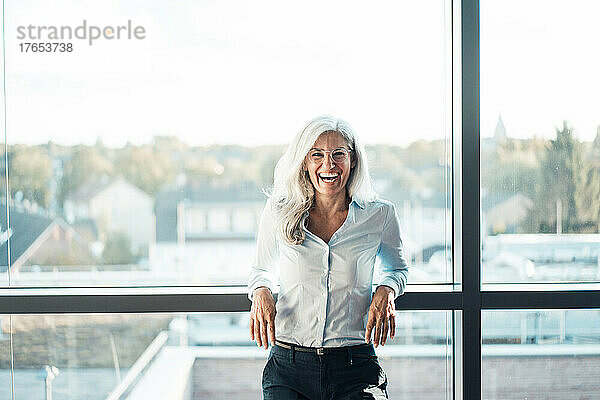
(358, 202)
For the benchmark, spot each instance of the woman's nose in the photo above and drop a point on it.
(327, 162)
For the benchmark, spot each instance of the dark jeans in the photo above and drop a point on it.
(350, 374)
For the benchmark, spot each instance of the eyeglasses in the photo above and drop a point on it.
(338, 155)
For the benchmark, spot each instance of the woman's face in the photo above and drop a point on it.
(329, 177)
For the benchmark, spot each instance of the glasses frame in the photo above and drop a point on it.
(348, 151)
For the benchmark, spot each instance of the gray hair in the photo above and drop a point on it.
(293, 193)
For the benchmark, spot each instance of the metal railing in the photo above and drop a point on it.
(139, 366)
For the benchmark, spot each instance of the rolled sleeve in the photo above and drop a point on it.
(394, 270)
(264, 265)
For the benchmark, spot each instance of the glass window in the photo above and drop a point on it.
(541, 354)
(146, 356)
(419, 360)
(540, 145)
(5, 358)
(5, 232)
(148, 151)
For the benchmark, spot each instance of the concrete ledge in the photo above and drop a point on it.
(168, 377)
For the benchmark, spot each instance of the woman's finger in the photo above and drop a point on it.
(386, 327)
(251, 328)
(370, 321)
(392, 325)
(257, 331)
(272, 331)
(377, 331)
(263, 331)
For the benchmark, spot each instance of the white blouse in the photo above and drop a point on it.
(326, 288)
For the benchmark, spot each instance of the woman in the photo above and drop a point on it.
(320, 232)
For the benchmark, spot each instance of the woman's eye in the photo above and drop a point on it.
(339, 154)
(317, 154)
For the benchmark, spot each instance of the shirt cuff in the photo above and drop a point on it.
(391, 283)
(256, 285)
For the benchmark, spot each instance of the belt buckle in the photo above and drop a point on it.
(320, 351)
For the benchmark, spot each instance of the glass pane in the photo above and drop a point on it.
(5, 358)
(541, 354)
(195, 355)
(419, 360)
(140, 158)
(5, 233)
(540, 146)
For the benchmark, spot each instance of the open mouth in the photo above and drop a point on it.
(329, 177)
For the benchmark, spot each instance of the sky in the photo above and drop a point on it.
(253, 73)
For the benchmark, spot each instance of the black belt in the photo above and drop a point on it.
(321, 350)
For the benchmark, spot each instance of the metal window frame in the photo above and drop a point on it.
(72, 301)
(470, 207)
(465, 297)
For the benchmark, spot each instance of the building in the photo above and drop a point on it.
(38, 240)
(504, 212)
(500, 137)
(116, 205)
(205, 233)
(200, 213)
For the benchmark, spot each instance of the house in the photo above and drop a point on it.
(425, 219)
(116, 205)
(36, 239)
(205, 232)
(503, 212)
(208, 212)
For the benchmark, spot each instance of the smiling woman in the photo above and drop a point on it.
(323, 228)
(296, 172)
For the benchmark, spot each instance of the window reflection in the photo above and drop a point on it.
(540, 143)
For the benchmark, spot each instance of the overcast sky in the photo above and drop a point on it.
(252, 72)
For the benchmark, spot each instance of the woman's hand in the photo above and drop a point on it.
(381, 316)
(262, 315)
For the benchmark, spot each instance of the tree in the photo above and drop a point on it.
(30, 172)
(513, 167)
(596, 144)
(588, 200)
(146, 167)
(563, 177)
(85, 162)
(117, 249)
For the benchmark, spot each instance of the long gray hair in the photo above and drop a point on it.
(293, 193)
